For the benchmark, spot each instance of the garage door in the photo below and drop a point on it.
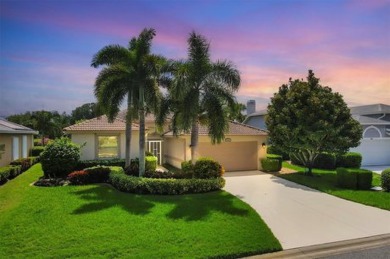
(374, 151)
(233, 156)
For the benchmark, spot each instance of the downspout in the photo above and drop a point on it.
(382, 116)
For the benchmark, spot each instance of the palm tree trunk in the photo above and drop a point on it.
(141, 132)
(129, 121)
(194, 140)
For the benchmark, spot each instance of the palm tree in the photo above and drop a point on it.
(199, 89)
(44, 122)
(129, 72)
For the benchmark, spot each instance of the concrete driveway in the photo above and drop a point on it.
(376, 168)
(300, 216)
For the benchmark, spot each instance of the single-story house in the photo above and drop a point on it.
(16, 141)
(241, 149)
(375, 143)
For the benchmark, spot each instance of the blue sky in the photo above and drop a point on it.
(46, 46)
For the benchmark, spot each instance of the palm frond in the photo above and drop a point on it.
(109, 55)
(227, 74)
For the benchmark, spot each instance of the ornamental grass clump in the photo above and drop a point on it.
(59, 158)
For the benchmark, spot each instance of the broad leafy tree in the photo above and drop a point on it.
(85, 112)
(305, 119)
(199, 91)
(129, 73)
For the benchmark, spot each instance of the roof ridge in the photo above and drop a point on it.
(246, 125)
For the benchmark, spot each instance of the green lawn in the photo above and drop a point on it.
(325, 181)
(98, 221)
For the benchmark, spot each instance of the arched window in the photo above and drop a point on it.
(372, 132)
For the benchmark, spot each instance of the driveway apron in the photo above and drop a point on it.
(300, 216)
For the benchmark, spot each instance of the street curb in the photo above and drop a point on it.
(330, 249)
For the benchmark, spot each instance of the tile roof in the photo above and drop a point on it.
(101, 124)
(11, 127)
(365, 120)
(148, 118)
(235, 128)
(370, 109)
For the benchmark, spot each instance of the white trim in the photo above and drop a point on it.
(24, 146)
(158, 147)
(15, 148)
(372, 127)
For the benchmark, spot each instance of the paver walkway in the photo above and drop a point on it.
(300, 216)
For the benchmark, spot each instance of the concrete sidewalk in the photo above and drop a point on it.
(300, 216)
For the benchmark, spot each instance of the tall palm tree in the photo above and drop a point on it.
(199, 89)
(44, 122)
(129, 72)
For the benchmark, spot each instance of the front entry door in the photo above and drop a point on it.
(154, 147)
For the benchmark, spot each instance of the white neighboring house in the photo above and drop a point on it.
(375, 121)
(375, 144)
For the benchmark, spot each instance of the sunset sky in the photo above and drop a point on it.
(46, 47)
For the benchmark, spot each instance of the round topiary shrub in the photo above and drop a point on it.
(59, 158)
(385, 180)
(205, 168)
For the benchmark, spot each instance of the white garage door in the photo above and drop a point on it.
(374, 151)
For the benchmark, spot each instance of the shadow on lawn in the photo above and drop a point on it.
(192, 207)
(104, 197)
(189, 207)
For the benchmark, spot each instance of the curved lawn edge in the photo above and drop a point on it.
(205, 225)
(142, 185)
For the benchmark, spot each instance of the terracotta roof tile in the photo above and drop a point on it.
(235, 128)
(101, 124)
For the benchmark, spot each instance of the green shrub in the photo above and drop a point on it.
(4, 174)
(59, 158)
(349, 160)
(278, 157)
(103, 162)
(15, 170)
(97, 174)
(272, 149)
(346, 178)
(354, 178)
(150, 163)
(385, 180)
(271, 165)
(133, 168)
(207, 168)
(187, 169)
(159, 174)
(25, 163)
(364, 179)
(36, 151)
(143, 185)
(325, 161)
(34, 160)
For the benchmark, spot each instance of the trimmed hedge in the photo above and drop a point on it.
(205, 168)
(352, 178)
(25, 163)
(385, 180)
(150, 163)
(97, 174)
(37, 150)
(271, 164)
(103, 162)
(271, 149)
(143, 185)
(349, 160)
(9, 172)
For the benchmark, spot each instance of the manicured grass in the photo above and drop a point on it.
(325, 181)
(99, 221)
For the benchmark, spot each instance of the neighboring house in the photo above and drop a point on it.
(256, 119)
(241, 149)
(16, 141)
(375, 144)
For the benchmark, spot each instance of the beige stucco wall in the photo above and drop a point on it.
(174, 150)
(89, 151)
(173, 147)
(6, 139)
